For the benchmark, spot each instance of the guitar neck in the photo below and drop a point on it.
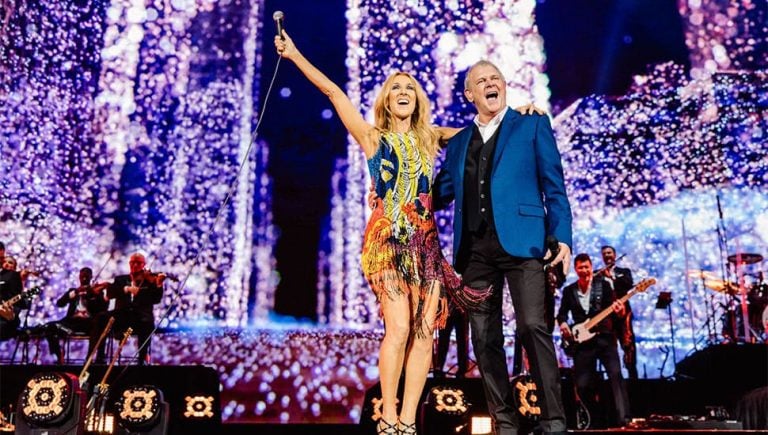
(607, 311)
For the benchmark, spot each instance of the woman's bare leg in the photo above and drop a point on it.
(419, 355)
(397, 326)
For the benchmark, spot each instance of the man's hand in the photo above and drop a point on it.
(529, 109)
(618, 308)
(563, 255)
(132, 290)
(6, 312)
(565, 330)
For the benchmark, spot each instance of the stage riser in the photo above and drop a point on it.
(176, 382)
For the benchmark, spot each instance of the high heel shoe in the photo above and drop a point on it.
(406, 429)
(384, 428)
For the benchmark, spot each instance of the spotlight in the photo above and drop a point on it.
(445, 411)
(481, 425)
(104, 424)
(141, 409)
(50, 400)
(525, 397)
(448, 400)
(198, 406)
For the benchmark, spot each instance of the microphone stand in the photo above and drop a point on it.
(722, 237)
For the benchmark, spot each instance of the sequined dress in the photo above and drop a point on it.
(401, 251)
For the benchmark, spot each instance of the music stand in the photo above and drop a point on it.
(665, 301)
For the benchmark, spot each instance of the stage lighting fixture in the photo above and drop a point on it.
(141, 409)
(525, 397)
(448, 400)
(105, 424)
(198, 406)
(51, 401)
(481, 425)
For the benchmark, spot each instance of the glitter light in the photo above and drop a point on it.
(123, 125)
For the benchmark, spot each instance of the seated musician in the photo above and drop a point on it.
(135, 295)
(83, 304)
(10, 286)
(583, 300)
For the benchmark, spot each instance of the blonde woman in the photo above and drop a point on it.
(401, 258)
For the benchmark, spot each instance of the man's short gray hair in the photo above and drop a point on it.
(480, 63)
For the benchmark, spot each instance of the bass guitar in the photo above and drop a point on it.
(583, 331)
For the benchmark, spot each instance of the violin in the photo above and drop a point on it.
(155, 278)
(91, 288)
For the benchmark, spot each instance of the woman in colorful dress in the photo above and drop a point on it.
(402, 259)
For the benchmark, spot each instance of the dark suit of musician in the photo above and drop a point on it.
(10, 286)
(83, 304)
(509, 193)
(620, 279)
(131, 310)
(602, 347)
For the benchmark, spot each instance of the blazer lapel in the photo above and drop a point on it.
(465, 136)
(507, 126)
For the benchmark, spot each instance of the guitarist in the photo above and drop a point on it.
(620, 279)
(582, 300)
(10, 286)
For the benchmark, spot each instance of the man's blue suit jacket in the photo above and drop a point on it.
(528, 195)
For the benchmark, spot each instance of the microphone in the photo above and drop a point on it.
(553, 245)
(558, 275)
(278, 17)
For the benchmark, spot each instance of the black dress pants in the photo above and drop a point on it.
(488, 263)
(603, 347)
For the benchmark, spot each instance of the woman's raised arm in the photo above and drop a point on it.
(363, 132)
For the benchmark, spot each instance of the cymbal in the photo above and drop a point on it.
(722, 286)
(701, 274)
(746, 258)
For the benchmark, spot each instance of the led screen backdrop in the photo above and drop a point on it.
(124, 125)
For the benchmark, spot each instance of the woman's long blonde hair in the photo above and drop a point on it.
(426, 135)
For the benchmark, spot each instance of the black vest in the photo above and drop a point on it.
(477, 181)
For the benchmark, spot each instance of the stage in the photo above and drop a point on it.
(304, 381)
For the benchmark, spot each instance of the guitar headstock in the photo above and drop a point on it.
(127, 333)
(644, 284)
(34, 291)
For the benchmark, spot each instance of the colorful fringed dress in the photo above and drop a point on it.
(401, 251)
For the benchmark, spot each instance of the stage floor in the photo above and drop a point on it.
(321, 376)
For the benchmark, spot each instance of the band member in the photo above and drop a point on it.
(581, 301)
(457, 320)
(83, 304)
(10, 286)
(620, 280)
(135, 295)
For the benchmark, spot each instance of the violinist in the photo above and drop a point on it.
(135, 295)
(83, 304)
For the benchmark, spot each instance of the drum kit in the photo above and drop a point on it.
(746, 321)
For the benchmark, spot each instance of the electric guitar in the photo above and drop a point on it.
(6, 312)
(582, 332)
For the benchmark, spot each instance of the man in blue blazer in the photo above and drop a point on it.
(505, 174)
